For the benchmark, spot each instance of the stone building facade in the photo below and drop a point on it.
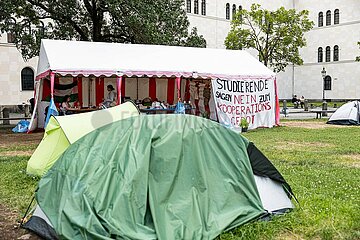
(337, 37)
(16, 75)
(335, 41)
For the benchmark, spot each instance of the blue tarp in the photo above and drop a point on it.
(21, 127)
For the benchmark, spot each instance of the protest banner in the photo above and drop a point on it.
(249, 98)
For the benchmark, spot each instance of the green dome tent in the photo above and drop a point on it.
(157, 177)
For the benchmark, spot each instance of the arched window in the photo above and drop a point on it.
(336, 16)
(233, 11)
(336, 53)
(227, 11)
(327, 83)
(27, 79)
(320, 54)
(188, 6)
(327, 54)
(203, 7)
(240, 8)
(321, 19)
(10, 35)
(41, 29)
(196, 6)
(328, 18)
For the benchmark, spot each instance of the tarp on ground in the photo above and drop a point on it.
(62, 131)
(152, 177)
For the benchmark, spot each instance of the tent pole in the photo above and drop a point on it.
(80, 94)
(52, 83)
(277, 105)
(118, 85)
(178, 86)
(137, 88)
(27, 210)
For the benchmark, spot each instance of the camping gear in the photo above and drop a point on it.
(50, 111)
(21, 127)
(157, 177)
(347, 114)
(62, 131)
(180, 108)
(84, 69)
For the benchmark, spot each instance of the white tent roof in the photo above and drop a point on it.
(76, 57)
(348, 112)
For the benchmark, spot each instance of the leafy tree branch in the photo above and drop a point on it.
(276, 35)
(137, 21)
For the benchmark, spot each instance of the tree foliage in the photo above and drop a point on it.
(276, 35)
(358, 57)
(137, 21)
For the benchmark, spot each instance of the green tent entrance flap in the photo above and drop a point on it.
(62, 131)
(154, 177)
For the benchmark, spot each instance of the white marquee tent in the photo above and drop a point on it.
(115, 61)
(86, 58)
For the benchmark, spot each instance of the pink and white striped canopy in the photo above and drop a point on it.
(109, 59)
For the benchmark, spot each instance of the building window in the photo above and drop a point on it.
(10, 35)
(327, 83)
(203, 7)
(41, 29)
(327, 54)
(10, 38)
(336, 16)
(321, 19)
(336, 53)
(188, 6)
(320, 54)
(240, 8)
(233, 11)
(227, 11)
(27, 79)
(328, 18)
(196, 6)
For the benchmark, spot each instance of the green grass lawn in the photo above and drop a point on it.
(321, 164)
(16, 188)
(323, 168)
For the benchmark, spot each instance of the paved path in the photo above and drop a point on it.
(299, 113)
(294, 113)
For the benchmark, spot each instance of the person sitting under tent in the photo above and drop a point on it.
(146, 102)
(110, 100)
(156, 104)
(65, 107)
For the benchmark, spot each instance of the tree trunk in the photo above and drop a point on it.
(97, 37)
